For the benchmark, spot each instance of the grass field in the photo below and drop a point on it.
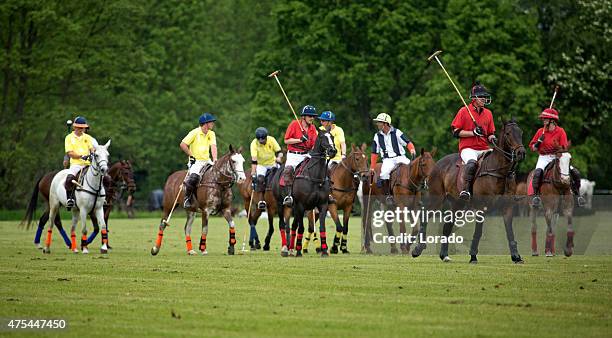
(131, 293)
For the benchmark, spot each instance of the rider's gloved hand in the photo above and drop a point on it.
(192, 160)
(85, 157)
(304, 138)
(253, 181)
(493, 139)
(478, 131)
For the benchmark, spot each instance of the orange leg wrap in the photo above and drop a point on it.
(72, 241)
(84, 241)
(188, 242)
(48, 239)
(160, 236)
(203, 243)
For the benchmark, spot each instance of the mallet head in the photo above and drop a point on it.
(434, 55)
(274, 73)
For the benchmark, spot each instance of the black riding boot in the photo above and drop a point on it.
(261, 190)
(387, 190)
(191, 184)
(575, 175)
(70, 187)
(288, 178)
(536, 201)
(469, 170)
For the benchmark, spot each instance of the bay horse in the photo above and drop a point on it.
(494, 184)
(254, 213)
(213, 196)
(120, 174)
(90, 196)
(311, 189)
(407, 184)
(557, 197)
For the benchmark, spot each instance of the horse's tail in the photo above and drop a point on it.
(27, 220)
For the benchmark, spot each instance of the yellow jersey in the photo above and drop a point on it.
(199, 143)
(265, 153)
(338, 135)
(81, 145)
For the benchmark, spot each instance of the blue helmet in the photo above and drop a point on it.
(80, 122)
(207, 117)
(309, 110)
(261, 133)
(327, 116)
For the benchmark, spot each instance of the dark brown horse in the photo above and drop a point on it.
(407, 184)
(494, 185)
(213, 195)
(120, 176)
(254, 213)
(557, 197)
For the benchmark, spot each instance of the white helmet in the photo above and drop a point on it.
(383, 117)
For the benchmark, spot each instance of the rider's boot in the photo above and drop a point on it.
(387, 190)
(191, 184)
(288, 178)
(70, 187)
(536, 201)
(469, 170)
(575, 176)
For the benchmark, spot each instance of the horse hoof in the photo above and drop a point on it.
(568, 252)
(104, 249)
(445, 259)
(324, 254)
(230, 250)
(76, 251)
(85, 251)
(154, 251)
(549, 254)
(394, 250)
(284, 251)
(192, 252)
(298, 253)
(334, 249)
(46, 250)
(305, 251)
(535, 254)
(473, 259)
(38, 246)
(257, 246)
(345, 251)
(204, 253)
(517, 260)
(266, 247)
(318, 250)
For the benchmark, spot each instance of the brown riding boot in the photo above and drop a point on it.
(536, 202)
(575, 176)
(387, 190)
(469, 170)
(70, 187)
(288, 178)
(191, 183)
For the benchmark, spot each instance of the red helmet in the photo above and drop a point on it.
(549, 113)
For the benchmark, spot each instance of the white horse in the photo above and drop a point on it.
(89, 196)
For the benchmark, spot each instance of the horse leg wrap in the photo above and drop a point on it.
(569, 245)
(343, 245)
(292, 243)
(83, 242)
(298, 245)
(552, 244)
(307, 240)
(72, 241)
(315, 241)
(283, 237)
(324, 241)
(160, 236)
(232, 236)
(337, 238)
(549, 243)
(534, 241)
(48, 239)
(104, 237)
(188, 243)
(203, 243)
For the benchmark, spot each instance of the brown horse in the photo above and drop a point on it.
(557, 197)
(120, 175)
(213, 195)
(494, 184)
(407, 183)
(246, 189)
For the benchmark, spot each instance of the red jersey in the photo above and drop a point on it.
(553, 141)
(294, 131)
(463, 121)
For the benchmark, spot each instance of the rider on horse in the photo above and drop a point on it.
(300, 138)
(265, 154)
(327, 119)
(199, 144)
(389, 142)
(473, 134)
(546, 142)
(78, 145)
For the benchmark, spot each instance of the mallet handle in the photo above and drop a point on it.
(554, 96)
(175, 200)
(286, 98)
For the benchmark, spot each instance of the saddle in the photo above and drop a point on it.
(203, 171)
(478, 173)
(394, 176)
(297, 172)
(269, 176)
(80, 176)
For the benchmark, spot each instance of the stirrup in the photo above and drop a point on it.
(261, 205)
(69, 203)
(581, 201)
(288, 201)
(187, 203)
(389, 200)
(465, 195)
(536, 201)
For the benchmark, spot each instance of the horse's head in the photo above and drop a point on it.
(564, 167)
(99, 158)
(427, 162)
(358, 163)
(324, 145)
(237, 164)
(511, 140)
(127, 175)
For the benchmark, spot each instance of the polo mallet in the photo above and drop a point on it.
(368, 207)
(165, 221)
(274, 74)
(69, 125)
(248, 217)
(554, 96)
(435, 56)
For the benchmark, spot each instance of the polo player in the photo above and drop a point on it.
(78, 146)
(265, 154)
(328, 120)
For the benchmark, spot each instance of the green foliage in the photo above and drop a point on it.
(142, 73)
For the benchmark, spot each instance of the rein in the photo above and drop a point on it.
(232, 176)
(355, 174)
(412, 186)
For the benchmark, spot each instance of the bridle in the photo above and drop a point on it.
(508, 155)
(96, 171)
(232, 176)
(356, 174)
(318, 156)
(412, 186)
